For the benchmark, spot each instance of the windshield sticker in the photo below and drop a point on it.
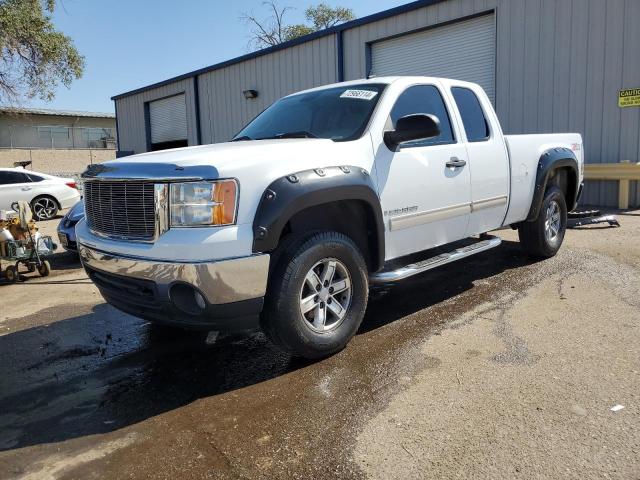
(359, 94)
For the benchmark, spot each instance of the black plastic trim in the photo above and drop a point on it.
(549, 161)
(293, 193)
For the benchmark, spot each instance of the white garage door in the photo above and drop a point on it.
(168, 119)
(463, 50)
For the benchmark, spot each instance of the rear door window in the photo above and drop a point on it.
(473, 119)
(425, 99)
(8, 178)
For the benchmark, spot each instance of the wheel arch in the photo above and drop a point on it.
(556, 166)
(340, 198)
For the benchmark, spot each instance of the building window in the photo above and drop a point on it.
(97, 137)
(52, 136)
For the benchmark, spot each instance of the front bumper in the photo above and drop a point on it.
(231, 290)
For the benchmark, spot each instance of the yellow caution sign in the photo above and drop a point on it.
(629, 98)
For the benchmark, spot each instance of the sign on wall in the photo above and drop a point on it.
(629, 98)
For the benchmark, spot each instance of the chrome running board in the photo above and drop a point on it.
(487, 242)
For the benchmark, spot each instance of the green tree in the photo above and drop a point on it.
(273, 30)
(323, 16)
(34, 57)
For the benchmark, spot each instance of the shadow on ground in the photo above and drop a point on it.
(100, 371)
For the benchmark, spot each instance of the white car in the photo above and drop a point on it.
(325, 193)
(45, 193)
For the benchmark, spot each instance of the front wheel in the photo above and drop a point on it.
(317, 295)
(44, 269)
(543, 237)
(11, 274)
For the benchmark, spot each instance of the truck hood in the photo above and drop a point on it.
(234, 158)
(255, 164)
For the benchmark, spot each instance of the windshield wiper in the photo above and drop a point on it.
(241, 139)
(296, 134)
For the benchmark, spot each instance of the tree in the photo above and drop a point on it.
(273, 30)
(34, 57)
(323, 16)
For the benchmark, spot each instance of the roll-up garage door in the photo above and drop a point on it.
(168, 119)
(463, 50)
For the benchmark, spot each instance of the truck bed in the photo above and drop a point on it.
(524, 154)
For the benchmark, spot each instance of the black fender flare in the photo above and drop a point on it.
(549, 161)
(298, 191)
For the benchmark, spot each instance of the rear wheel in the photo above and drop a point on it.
(317, 295)
(543, 237)
(44, 208)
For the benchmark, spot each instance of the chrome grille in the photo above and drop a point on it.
(123, 209)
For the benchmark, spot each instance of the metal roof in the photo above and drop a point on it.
(291, 43)
(61, 113)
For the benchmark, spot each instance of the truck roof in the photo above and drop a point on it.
(378, 80)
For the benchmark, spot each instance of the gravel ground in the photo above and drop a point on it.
(495, 367)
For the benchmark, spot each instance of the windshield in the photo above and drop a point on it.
(339, 114)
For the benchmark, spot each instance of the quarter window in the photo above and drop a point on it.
(475, 123)
(34, 178)
(424, 99)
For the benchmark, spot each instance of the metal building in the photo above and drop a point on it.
(548, 66)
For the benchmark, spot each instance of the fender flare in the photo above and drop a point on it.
(549, 161)
(298, 191)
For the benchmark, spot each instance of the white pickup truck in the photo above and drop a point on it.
(322, 195)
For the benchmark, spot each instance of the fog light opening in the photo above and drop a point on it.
(187, 299)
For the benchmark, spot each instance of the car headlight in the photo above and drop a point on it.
(200, 204)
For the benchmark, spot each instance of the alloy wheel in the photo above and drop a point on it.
(325, 296)
(44, 208)
(552, 221)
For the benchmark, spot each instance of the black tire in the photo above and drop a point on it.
(11, 274)
(44, 269)
(535, 237)
(283, 320)
(44, 207)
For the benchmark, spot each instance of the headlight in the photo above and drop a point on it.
(196, 204)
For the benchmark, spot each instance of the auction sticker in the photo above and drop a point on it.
(359, 94)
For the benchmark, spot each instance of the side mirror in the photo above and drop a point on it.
(418, 126)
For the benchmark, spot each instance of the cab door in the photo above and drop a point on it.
(424, 186)
(488, 158)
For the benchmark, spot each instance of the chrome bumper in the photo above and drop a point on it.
(220, 282)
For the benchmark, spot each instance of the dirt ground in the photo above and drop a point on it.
(495, 367)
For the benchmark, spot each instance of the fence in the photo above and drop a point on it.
(624, 172)
(57, 137)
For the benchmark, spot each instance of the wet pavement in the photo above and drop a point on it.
(89, 392)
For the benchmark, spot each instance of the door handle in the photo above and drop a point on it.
(456, 162)
(26, 189)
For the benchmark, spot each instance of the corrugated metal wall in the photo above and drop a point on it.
(560, 64)
(223, 108)
(131, 122)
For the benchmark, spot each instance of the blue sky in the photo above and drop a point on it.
(130, 44)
